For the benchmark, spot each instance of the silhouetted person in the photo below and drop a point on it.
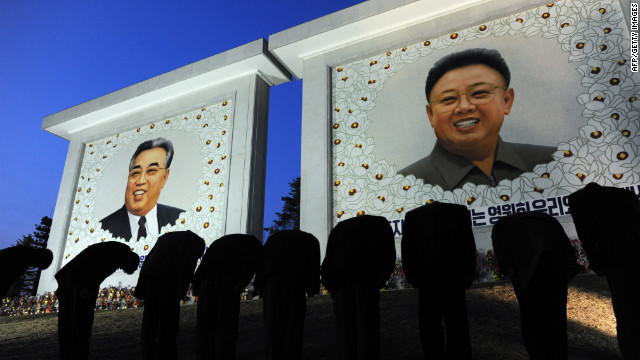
(164, 280)
(78, 286)
(535, 252)
(15, 260)
(439, 258)
(226, 268)
(608, 223)
(290, 270)
(360, 257)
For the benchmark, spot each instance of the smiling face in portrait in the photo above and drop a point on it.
(468, 127)
(146, 179)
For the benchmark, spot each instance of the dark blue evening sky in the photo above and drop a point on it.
(58, 54)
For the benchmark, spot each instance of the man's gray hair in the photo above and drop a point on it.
(155, 143)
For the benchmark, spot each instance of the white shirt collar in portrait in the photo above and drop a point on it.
(151, 224)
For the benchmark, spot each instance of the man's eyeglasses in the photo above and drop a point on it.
(150, 173)
(477, 95)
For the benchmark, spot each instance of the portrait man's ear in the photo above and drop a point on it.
(430, 114)
(509, 96)
(165, 177)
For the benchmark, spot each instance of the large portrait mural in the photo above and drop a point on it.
(569, 116)
(168, 175)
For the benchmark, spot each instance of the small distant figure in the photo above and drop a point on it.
(535, 252)
(78, 286)
(439, 258)
(360, 258)
(608, 223)
(164, 280)
(15, 260)
(225, 270)
(290, 270)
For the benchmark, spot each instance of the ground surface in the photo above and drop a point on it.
(493, 316)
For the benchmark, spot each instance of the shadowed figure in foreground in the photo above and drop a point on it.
(608, 223)
(226, 268)
(164, 280)
(289, 271)
(439, 258)
(15, 260)
(535, 252)
(78, 286)
(360, 257)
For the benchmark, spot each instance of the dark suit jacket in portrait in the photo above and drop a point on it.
(451, 171)
(437, 241)
(118, 222)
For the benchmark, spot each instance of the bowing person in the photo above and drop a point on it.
(535, 252)
(78, 285)
(164, 280)
(290, 270)
(439, 258)
(15, 260)
(226, 268)
(608, 223)
(360, 257)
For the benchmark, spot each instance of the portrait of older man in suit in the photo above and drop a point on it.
(468, 97)
(141, 215)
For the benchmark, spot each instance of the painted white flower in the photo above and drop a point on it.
(343, 81)
(599, 97)
(409, 54)
(364, 99)
(511, 25)
(568, 25)
(381, 173)
(479, 32)
(375, 81)
(355, 123)
(359, 145)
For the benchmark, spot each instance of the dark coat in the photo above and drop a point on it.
(236, 255)
(293, 255)
(437, 241)
(363, 246)
(117, 223)
(608, 223)
(14, 261)
(172, 262)
(520, 239)
(96, 262)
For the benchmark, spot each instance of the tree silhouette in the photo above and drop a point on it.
(28, 283)
(289, 218)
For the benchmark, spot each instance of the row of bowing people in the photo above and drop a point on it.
(439, 259)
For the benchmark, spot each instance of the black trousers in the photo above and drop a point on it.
(284, 305)
(543, 312)
(75, 318)
(217, 317)
(356, 307)
(625, 298)
(160, 323)
(444, 303)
